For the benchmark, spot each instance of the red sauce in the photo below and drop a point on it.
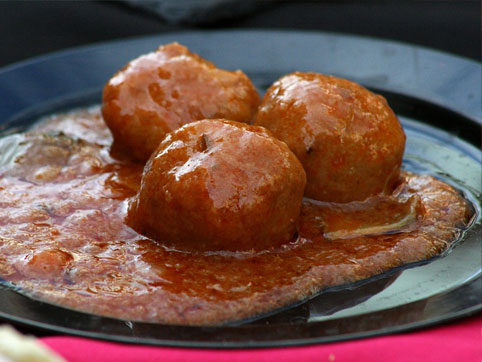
(63, 238)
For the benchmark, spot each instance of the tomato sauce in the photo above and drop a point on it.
(63, 239)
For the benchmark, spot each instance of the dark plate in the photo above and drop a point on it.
(438, 98)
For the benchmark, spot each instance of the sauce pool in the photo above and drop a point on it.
(63, 238)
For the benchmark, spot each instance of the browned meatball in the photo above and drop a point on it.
(161, 91)
(347, 138)
(219, 185)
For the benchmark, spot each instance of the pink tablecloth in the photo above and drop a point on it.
(459, 341)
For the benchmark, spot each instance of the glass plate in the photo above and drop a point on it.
(438, 99)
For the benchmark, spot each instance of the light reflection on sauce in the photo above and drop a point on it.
(63, 238)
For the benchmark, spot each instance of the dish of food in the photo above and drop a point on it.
(211, 284)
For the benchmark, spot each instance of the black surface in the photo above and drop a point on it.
(76, 77)
(41, 317)
(30, 28)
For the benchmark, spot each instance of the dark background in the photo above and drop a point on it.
(30, 28)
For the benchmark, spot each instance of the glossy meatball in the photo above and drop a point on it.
(161, 91)
(347, 138)
(219, 185)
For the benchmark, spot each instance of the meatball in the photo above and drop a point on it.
(161, 91)
(347, 138)
(218, 185)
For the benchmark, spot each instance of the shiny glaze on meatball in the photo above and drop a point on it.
(217, 185)
(163, 90)
(347, 138)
